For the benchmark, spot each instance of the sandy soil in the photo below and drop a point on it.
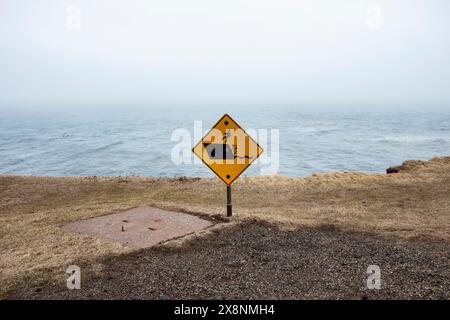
(408, 210)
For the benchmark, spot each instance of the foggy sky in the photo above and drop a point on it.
(236, 52)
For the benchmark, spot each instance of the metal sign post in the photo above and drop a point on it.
(229, 206)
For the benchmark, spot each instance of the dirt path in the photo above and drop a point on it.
(258, 260)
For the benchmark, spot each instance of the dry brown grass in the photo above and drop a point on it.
(412, 203)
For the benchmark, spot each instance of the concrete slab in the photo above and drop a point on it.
(141, 227)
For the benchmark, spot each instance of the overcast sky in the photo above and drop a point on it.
(236, 52)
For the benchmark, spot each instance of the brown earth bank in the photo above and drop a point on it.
(290, 238)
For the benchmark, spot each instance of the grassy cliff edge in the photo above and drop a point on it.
(412, 202)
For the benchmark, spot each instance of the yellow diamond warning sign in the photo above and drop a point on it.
(227, 149)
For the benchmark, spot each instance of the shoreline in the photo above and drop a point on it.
(407, 165)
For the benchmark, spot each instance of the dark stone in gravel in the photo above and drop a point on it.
(257, 260)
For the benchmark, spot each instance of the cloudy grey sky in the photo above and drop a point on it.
(237, 52)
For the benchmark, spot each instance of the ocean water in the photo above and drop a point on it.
(138, 142)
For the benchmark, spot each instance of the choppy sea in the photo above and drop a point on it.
(141, 141)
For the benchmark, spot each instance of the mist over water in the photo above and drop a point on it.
(138, 142)
(349, 82)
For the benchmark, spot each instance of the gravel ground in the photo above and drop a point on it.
(258, 260)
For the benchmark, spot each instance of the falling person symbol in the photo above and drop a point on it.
(223, 151)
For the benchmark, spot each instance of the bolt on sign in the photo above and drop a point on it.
(227, 149)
